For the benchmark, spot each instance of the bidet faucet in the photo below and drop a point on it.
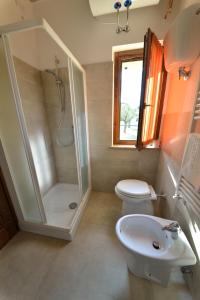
(174, 228)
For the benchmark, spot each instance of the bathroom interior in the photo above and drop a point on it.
(99, 149)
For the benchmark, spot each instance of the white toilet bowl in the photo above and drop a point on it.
(136, 196)
(152, 252)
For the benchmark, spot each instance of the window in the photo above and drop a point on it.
(139, 86)
(127, 90)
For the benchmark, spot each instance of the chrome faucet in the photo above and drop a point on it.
(174, 228)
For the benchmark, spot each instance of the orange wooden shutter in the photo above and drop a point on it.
(153, 83)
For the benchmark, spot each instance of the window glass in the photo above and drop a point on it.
(131, 76)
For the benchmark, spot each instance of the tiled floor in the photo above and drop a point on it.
(92, 267)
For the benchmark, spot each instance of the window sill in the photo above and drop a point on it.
(122, 147)
(154, 145)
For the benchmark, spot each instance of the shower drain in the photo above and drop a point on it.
(73, 205)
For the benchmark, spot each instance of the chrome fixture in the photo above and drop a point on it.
(59, 82)
(61, 88)
(117, 6)
(177, 196)
(156, 245)
(174, 228)
(73, 205)
(62, 97)
(183, 73)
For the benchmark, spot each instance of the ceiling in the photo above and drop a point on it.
(103, 7)
(91, 38)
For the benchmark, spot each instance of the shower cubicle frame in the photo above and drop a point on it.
(43, 228)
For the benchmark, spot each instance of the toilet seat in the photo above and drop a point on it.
(134, 188)
(133, 196)
(151, 196)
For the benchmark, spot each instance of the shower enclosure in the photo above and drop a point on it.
(43, 128)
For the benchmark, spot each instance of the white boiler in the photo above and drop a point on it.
(182, 42)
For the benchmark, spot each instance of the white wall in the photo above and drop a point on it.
(12, 11)
(186, 3)
(110, 165)
(180, 99)
(90, 40)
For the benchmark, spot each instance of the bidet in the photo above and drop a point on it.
(150, 248)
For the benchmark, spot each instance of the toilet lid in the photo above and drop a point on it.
(137, 197)
(133, 187)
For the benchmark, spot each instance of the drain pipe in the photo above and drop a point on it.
(161, 195)
(187, 270)
(157, 206)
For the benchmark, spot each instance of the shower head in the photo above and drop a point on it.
(60, 86)
(51, 72)
(57, 78)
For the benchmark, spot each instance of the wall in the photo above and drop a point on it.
(180, 97)
(179, 102)
(15, 10)
(91, 42)
(12, 11)
(186, 3)
(27, 46)
(111, 165)
(89, 38)
(31, 90)
(177, 115)
(41, 106)
(62, 139)
(34, 47)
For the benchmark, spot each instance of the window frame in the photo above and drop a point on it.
(119, 58)
(149, 39)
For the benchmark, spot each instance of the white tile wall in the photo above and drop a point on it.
(111, 165)
(31, 90)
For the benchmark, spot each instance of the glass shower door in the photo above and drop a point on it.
(43, 127)
(80, 114)
(45, 99)
(12, 139)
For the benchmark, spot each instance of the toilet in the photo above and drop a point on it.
(137, 196)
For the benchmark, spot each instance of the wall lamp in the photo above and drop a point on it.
(184, 73)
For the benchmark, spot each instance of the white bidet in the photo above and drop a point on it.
(152, 251)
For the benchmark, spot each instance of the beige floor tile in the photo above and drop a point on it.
(92, 267)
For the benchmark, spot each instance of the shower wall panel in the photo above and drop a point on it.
(65, 156)
(32, 96)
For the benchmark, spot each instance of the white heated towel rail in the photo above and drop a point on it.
(189, 195)
(189, 184)
(197, 106)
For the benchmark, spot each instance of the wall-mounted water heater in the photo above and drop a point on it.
(182, 42)
(103, 7)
